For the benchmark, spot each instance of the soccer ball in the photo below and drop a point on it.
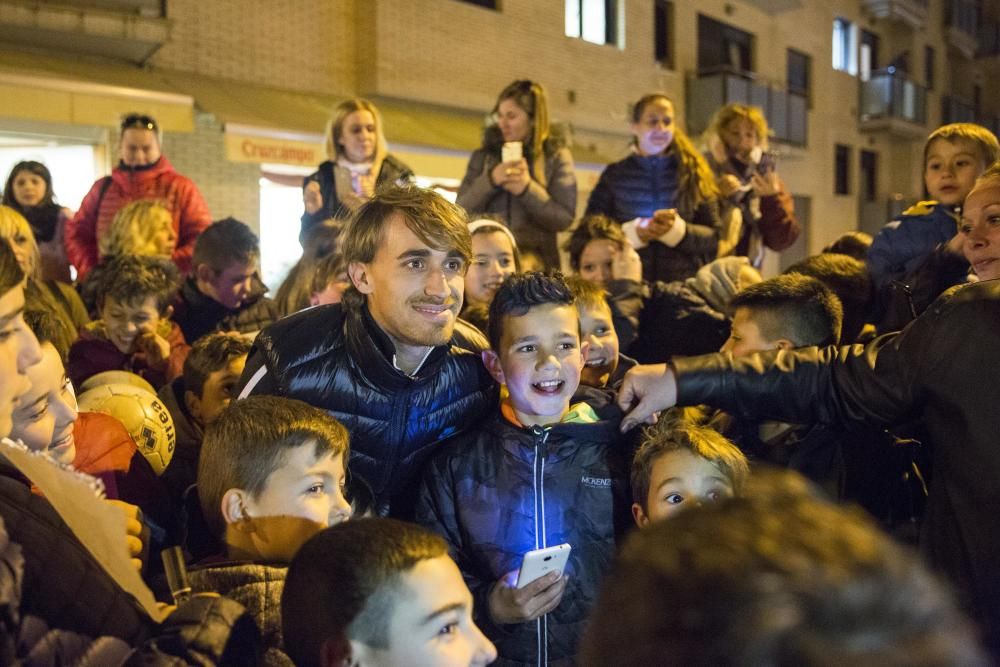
(115, 377)
(141, 413)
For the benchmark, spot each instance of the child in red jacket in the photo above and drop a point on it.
(134, 332)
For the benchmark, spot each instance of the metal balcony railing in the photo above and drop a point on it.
(962, 26)
(962, 15)
(988, 39)
(957, 110)
(910, 12)
(787, 113)
(889, 95)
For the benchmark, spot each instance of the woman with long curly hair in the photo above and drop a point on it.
(664, 194)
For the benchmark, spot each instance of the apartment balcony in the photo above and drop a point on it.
(962, 27)
(117, 29)
(909, 12)
(989, 40)
(957, 110)
(786, 112)
(891, 102)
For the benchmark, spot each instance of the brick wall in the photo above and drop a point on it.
(303, 45)
(230, 188)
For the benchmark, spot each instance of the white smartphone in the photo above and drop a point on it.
(512, 151)
(540, 562)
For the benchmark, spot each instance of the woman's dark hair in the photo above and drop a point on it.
(36, 168)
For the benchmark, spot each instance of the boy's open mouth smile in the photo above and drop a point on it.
(548, 387)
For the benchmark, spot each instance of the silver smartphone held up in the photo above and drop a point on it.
(540, 562)
(512, 151)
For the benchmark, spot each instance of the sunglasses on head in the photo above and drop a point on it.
(138, 121)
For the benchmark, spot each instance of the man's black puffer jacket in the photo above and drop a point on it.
(338, 359)
(507, 490)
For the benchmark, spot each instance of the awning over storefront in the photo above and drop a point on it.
(262, 124)
(55, 90)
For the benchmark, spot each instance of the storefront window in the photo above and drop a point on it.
(73, 167)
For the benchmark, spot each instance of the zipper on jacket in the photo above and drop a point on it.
(540, 435)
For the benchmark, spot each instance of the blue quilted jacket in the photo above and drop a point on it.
(638, 186)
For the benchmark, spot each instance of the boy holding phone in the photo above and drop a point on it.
(548, 469)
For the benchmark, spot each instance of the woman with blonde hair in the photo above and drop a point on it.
(523, 173)
(57, 297)
(140, 228)
(736, 146)
(358, 162)
(664, 195)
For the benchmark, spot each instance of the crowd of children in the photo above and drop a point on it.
(417, 365)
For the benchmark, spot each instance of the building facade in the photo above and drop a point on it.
(243, 88)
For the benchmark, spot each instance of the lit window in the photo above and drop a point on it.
(845, 50)
(593, 20)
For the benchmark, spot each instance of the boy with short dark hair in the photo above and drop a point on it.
(543, 471)
(196, 399)
(134, 332)
(224, 291)
(605, 365)
(270, 476)
(849, 279)
(680, 466)
(850, 463)
(379, 592)
(785, 312)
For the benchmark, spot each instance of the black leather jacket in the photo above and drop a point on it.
(340, 360)
(942, 369)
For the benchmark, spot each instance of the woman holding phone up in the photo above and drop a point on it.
(523, 173)
(664, 194)
(736, 150)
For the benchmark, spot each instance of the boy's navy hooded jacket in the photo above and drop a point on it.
(507, 490)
